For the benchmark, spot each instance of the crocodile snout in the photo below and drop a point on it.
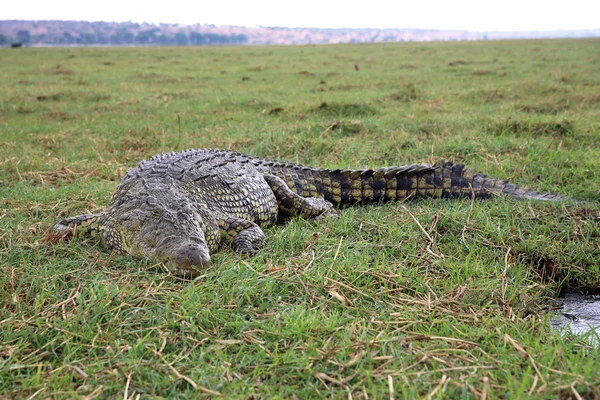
(190, 259)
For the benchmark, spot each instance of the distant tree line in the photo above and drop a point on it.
(122, 35)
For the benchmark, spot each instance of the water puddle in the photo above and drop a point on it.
(580, 314)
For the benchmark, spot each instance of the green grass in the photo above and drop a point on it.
(336, 309)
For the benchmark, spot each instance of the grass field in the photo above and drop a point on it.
(430, 298)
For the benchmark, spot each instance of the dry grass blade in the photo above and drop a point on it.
(126, 391)
(447, 339)
(329, 379)
(342, 299)
(524, 353)
(348, 287)
(418, 224)
(186, 378)
(443, 381)
(33, 396)
(427, 235)
(95, 393)
(574, 391)
(486, 383)
(191, 382)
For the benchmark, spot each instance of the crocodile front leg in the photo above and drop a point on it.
(291, 204)
(85, 223)
(246, 236)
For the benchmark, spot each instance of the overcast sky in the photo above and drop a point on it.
(482, 15)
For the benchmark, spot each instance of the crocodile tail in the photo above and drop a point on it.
(484, 186)
(82, 224)
(345, 188)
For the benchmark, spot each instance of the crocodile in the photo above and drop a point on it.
(181, 207)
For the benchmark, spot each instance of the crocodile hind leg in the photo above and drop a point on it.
(291, 204)
(85, 223)
(247, 237)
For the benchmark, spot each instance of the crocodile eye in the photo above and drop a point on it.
(129, 220)
(183, 214)
(185, 211)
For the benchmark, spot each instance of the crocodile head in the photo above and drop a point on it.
(158, 222)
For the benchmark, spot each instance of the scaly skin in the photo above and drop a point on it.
(183, 207)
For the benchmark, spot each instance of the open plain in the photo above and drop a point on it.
(426, 298)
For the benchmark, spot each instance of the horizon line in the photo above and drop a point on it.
(157, 23)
